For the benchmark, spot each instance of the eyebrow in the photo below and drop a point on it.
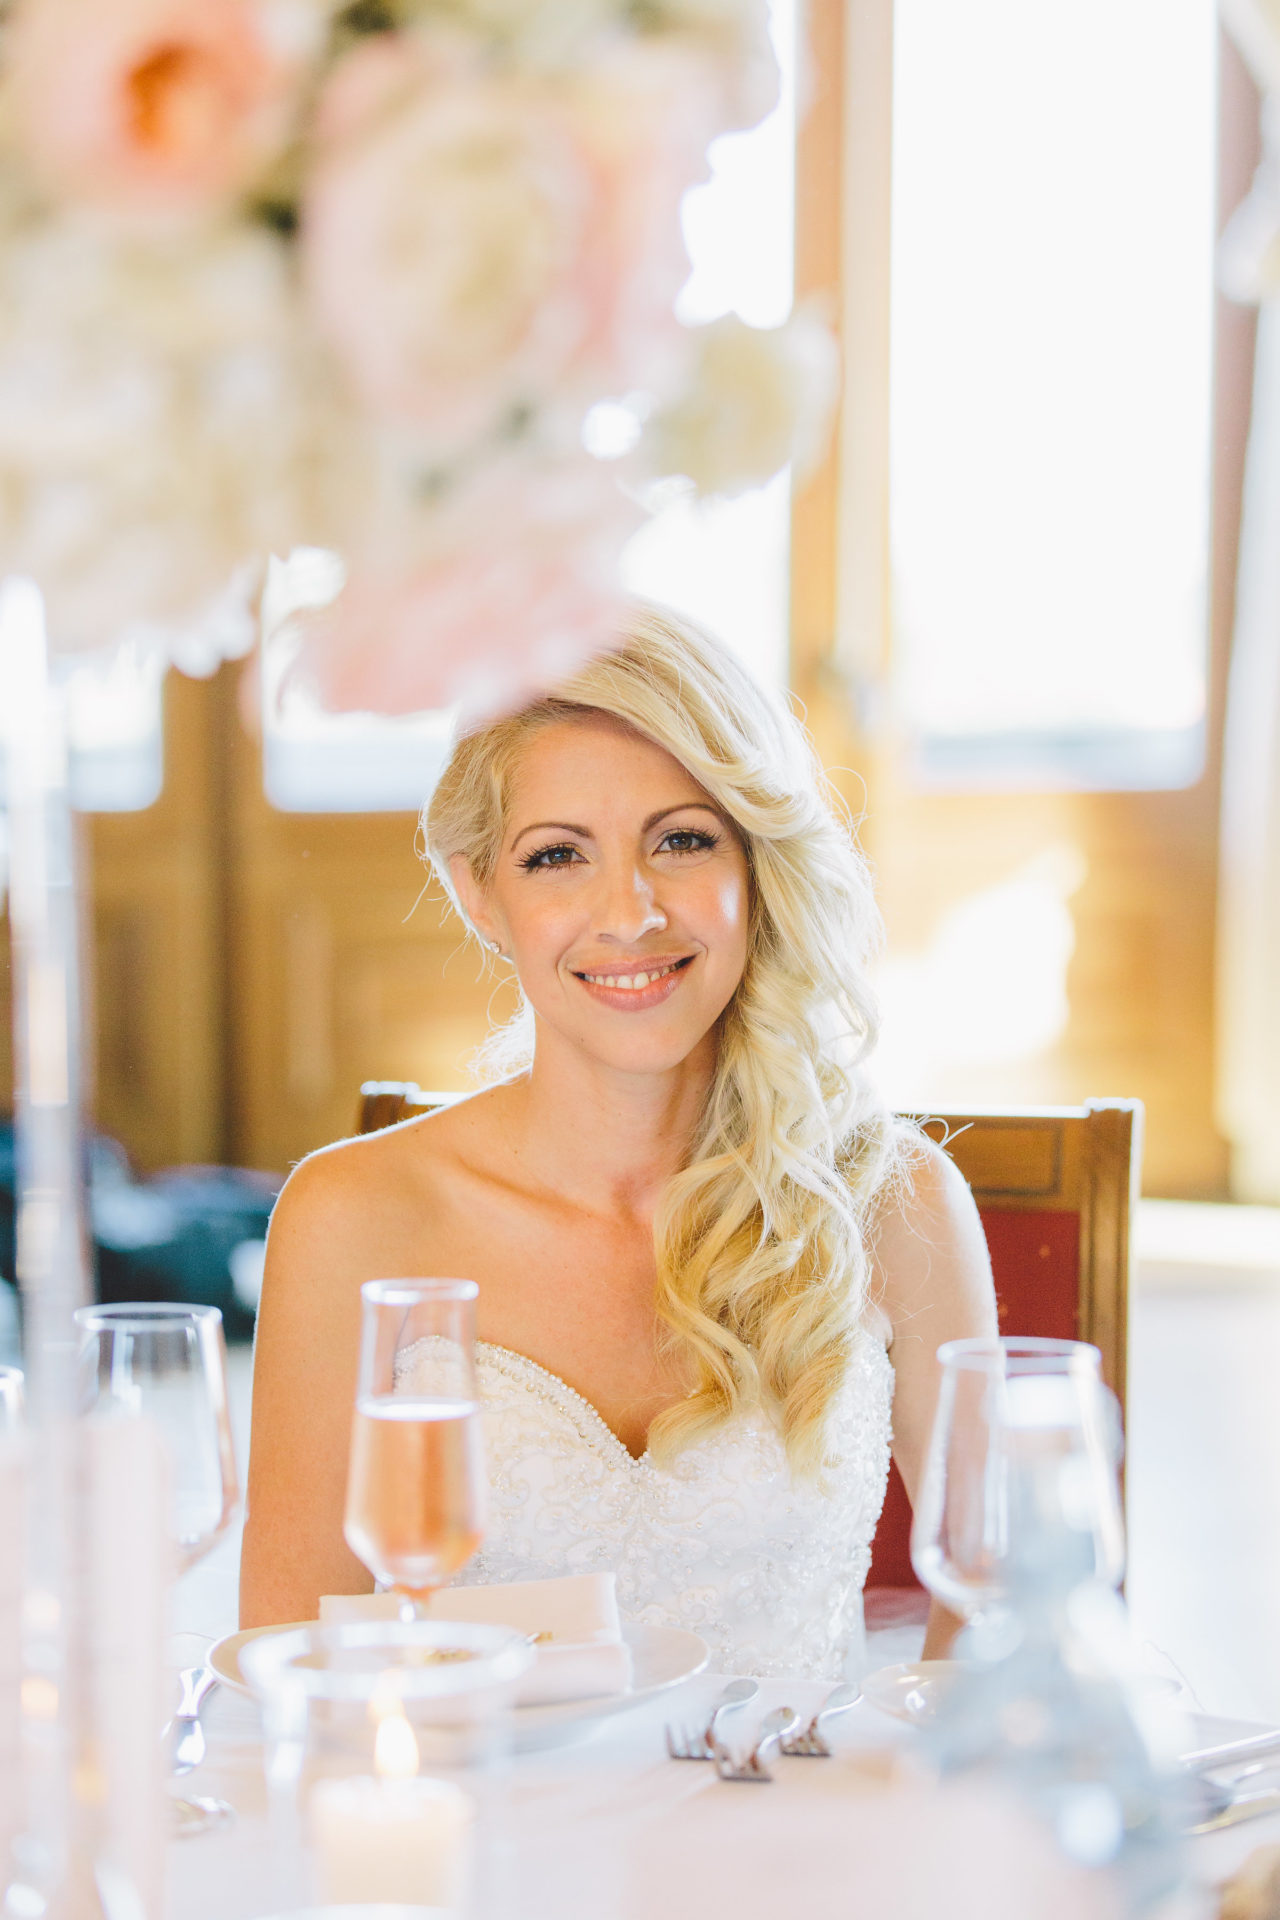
(584, 833)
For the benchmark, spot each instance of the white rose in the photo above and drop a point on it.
(757, 398)
(481, 244)
(154, 423)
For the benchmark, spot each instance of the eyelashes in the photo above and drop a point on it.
(560, 854)
(540, 857)
(700, 840)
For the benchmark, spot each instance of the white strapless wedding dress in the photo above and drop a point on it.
(767, 1569)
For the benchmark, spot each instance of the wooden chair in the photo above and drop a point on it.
(384, 1103)
(1055, 1187)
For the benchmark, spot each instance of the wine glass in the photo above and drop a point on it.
(11, 1401)
(169, 1361)
(1019, 1493)
(415, 1485)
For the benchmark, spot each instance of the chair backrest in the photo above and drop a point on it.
(1055, 1188)
(384, 1103)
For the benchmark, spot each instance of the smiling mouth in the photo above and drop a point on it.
(637, 981)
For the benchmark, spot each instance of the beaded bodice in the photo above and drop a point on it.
(768, 1569)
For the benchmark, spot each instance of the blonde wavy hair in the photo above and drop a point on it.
(760, 1238)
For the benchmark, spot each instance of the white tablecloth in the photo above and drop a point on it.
(607, 1828)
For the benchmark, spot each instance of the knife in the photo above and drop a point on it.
(1249, 1806)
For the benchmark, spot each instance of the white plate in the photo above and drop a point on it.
(661, 1658)
(913, 1692)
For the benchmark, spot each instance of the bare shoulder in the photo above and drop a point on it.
(927, 1248)
(372, 1194)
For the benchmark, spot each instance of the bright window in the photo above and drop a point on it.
(727, 562)
(1051, 363)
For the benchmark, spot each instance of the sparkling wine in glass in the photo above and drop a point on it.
(169, 1361)
(1020, 1487)
(415, 1486)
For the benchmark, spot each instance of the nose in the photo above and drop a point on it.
(628, 906)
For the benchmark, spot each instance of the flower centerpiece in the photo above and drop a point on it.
(287, 273)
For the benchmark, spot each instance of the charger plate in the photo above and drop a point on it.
(661, 1658)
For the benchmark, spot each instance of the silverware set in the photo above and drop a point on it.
(1214, 1774)
(783, 1730)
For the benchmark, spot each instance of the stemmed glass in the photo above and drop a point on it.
(1018, 1527)
(415, 1486)
(1019, 1491)
(168, 1362)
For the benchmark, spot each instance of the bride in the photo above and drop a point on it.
(713, 1272)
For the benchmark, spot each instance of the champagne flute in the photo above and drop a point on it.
(415, 1485)
(169, 1361)
(1019, 1490)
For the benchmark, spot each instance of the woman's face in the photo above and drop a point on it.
(621, 896)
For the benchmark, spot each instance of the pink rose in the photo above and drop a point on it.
(479, 239)
(504, 593)
(153, 106)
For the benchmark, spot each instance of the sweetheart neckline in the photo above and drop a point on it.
(593, 1412)
(579, 1399)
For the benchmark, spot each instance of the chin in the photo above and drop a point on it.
(657, 1051)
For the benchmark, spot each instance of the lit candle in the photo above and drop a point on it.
(396, 1837)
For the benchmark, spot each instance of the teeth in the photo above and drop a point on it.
(629, 981)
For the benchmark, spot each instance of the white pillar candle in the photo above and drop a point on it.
(392, 1840)
(128, 1569)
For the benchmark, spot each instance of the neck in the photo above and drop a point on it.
(605, 1140)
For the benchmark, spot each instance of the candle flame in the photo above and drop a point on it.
(395, 1751)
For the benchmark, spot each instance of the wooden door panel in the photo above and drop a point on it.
(343, 965)
(153, 984)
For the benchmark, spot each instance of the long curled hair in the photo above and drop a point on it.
(760, 1238)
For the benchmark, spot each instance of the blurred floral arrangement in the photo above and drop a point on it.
(395, 278)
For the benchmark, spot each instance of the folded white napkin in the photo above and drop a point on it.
(581, 1652)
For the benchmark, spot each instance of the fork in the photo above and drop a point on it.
(809, 1744)
(184, 1730)
(685, 1743)
(772, 1728)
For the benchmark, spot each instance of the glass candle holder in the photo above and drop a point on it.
(385, 1749)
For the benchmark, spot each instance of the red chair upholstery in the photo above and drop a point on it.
(1054, 1188)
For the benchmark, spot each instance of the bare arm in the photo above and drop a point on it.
(933, 1274)
(303, 1388)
